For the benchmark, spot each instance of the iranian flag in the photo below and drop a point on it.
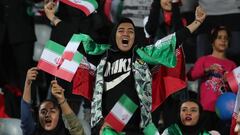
(121, 113)
(233, 79)
(55, 61)
(84, 79)
(87, 6)
(167, 81)
(234, 126)
(150, 129)
(72, 47)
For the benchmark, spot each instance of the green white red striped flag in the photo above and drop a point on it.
(150, 129)
(72, 47)
(235, 127)
(87, 6)
(121, 113)
(52, 62)
(233, 79)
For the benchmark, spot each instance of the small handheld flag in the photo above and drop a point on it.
(60, 61)
(233, 79)
(121, 113)
(87, 6)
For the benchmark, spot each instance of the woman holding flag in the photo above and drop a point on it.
(122, 96)
(50, 112)
(164, 19)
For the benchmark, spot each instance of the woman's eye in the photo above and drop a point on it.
(184, 110)
(43, 112)
(120, 31)
(194, 110)
(53, 111)
(131, 31)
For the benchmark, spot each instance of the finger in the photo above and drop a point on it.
(58, 92)
(53, 82)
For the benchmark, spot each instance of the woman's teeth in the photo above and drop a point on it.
(125, 41)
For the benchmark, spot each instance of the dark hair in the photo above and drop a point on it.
(199, 127)
(125, 20)
(194, 101)
(59, 129)
(214, 33)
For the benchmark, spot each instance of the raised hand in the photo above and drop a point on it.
(31, 75)
(50, 8)
(57, 92)
(200, 14)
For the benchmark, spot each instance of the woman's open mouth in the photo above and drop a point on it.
(125, 41)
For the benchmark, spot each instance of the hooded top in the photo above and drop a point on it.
(119, 76)
(115, 76)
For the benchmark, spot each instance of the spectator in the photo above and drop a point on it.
(164, 19)
(211, 69)
(49, 112)
(189, 120)
(123, 40)
(122, 50)
(220, 12)
(136, 10)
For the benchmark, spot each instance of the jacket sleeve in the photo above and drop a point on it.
(63, 32)
(27, 121)
(182, 35)
(75, 127)
(176, 17)
(153, 19)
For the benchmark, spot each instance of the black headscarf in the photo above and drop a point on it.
(112, 40)
(58, 130)
(191, 130)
